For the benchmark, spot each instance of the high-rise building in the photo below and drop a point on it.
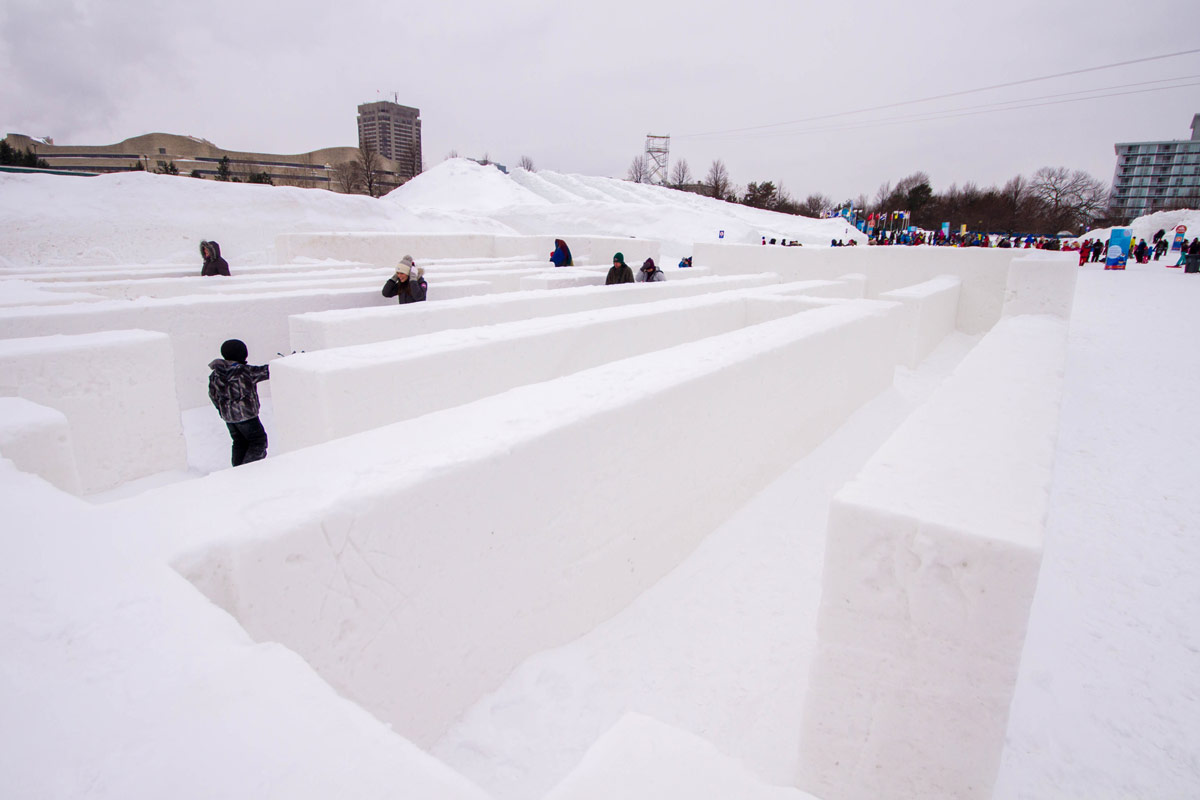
(393, 131)
(1152, 176)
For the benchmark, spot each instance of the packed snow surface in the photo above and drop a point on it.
(118, 680)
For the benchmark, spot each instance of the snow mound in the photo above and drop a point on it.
(1145, 227)
(143, 218)
(460, 184)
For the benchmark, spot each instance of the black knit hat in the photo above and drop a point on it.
(234, 350)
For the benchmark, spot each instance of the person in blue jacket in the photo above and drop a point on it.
(562, 254)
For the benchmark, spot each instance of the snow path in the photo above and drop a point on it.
(720, 647)
(1108, 698)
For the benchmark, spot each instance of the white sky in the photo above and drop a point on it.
(577, 88)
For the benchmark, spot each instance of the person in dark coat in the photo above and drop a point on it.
(1193, 257)
(1098, 247)
(213, 263)
(1139, 252)
(407, 285)
(649, 273)
(620, 271)
(233, 390)
(561, 257)
(1160, 248)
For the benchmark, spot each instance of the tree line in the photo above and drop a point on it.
(1054, 199)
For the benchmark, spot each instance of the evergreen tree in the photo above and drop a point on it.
(223, 169)
(260, 177)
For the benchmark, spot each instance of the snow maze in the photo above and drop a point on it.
(458, 485)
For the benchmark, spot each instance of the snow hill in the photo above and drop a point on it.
(1145, 227)
(146, 218)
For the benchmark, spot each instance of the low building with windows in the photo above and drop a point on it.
(1153, 176)
(322, 169)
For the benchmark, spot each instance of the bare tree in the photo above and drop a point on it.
(882, 195)
(452, 154)
(681, 174)
(526, 163)
(1071, 198)
(346, 178)
(815, 205)
(370, 168)
(718, 182)
(639, 170)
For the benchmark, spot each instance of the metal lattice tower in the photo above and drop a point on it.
(658, 154)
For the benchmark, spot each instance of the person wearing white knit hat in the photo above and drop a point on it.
(407, 285)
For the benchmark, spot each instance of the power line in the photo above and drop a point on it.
(933, 116)
(943, 96)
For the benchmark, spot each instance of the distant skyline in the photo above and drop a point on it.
(578, 89)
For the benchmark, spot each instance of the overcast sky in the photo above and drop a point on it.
(576, 87)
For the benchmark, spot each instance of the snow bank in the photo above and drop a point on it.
(333, 393)
(323, 330)
(568, 206)
(115, 389)
(37, 439)
(557, 503)
(640, 758)
(932, 558)
(142, 218)
(1145, 227)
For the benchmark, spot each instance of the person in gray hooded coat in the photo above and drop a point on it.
(213, 263)
(233, 390)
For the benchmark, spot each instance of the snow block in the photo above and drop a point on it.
(983, 272)
(117, 392)
(1042, 284)
(931, 563)
(557, 502)
(386, 249)
(333, 393)
(37, 439)
(934, 308)
(320, 331)
(564, 279)
(198, 325)
(641, 758)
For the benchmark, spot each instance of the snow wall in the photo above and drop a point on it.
(984, 274)
(386, 249)
(324, 330)
(932, 559)
(557, 503)
(116, 391)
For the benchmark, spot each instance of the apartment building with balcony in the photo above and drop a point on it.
(1153, 176)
